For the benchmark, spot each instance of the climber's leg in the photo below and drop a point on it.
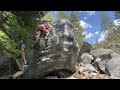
(46, 42)
(17, 67)
(39, 43)
(47, 33)
(37, 36)
(17, 74)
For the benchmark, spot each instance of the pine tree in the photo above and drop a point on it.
(48, 17)
(78, 29)
(106, 21)
(113, 34)
(117, 14)
(73, 17)
(62, 15)
(16, 26)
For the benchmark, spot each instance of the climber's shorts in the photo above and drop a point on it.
(43, 29)
(20, 64)
(15, 65)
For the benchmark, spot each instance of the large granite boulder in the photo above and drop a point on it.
(58, 52)
(113, 67)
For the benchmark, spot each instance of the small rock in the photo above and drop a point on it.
(71, 78)
(86, 58)
(98, 59)
(51, 77)
(89, 67)
(102, 76)
(114, 77)
(81, 69)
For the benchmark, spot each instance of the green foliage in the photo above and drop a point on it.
(62, 15)
(28, 18)
(114, 34)
(106, 26)
(16, 26)
(73, 17)
(106, 21)
(117, 14)
(48, 17)
(114, 37)
(78, 29)
(7, 45)
(14, 30)
(110, 39)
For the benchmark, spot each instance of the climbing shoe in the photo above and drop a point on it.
(25, 65)
(36, 46)
(11, 77)
(46, 37)
(46, 42)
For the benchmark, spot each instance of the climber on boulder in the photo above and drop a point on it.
(42, 28)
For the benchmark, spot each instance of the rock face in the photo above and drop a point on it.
(115, 48)
(113, 67)
(87, 71)
(57, 57)
(58, 52)
(84, 53)
(4, 67)
(106, 61)
(86, 48)
(114, 55)
(103, 54)
(102, 66)
(86, 58)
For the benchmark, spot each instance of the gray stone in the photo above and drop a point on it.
(95, 65)
(51, 77)
(114, 77)
(113, 67)
(102, 66)
(86, 58)
(60, 54)
(115, 48)
(97, 59)
(103, 54)
(92, 77)
(88, 67)
(114, 55)
(85, 48)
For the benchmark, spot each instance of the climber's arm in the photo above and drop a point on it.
(23, 53)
